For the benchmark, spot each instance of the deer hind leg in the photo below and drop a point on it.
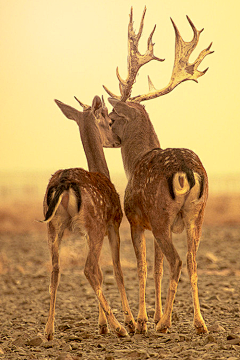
(114, 241)
(93, 273)
(102, 319)
(193, 238)
(164, 240)
(139, 244)
(54, 239)
(158, 274)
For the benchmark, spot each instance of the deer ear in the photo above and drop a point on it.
(122, 108)
(69, 111)
(96, 103)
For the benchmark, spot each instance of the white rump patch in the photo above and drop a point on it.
(195, 191)
(72, 208)
(180, 183)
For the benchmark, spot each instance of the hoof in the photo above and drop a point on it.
(141, 327)
(131, 326)
(121, 332)
(49, 331)
(164, 324)
(201, 330)
(162, 330)
(49, 337)
(103, 329)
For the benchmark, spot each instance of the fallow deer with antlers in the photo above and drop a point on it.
(167, 189)
(87, 202)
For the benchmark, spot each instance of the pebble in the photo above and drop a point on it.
(37, 341)
(48, 344)
(235, 341)
(67, 348)
(65, 356)
(216, 328)
(214, 297)
(209, 339)
(211, 257)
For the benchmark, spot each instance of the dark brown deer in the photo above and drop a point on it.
(167, 189)
(87, 202)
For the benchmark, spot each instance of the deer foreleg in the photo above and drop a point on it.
(158, 274)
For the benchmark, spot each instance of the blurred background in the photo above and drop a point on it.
(58, 49)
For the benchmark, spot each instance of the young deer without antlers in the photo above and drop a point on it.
(88, 202)
(167, 189)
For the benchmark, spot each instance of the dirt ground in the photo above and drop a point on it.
(24, 297)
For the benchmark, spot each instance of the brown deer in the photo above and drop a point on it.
(87, 202)
(167, 189)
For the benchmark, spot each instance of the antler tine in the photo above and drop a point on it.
(182, 69)
(150, 85)
(111, 93)
(103, 102)
(135, 59)
(85, 107)
(141, 23)
(184, 49)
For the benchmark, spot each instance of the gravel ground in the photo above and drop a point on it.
(24, 281)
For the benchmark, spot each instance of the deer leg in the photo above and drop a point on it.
(54, 239)
(139, 245)
(158, 274)
(114, 241)
(92, 272)
(165, 243)
(102, 320)
(193, 237)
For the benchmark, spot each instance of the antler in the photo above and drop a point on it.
(135, 59)
(182, 69)
(88, 107)
(84, 106)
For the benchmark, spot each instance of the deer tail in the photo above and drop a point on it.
(54, 201)
(181, 183)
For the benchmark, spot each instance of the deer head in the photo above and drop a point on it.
(97, 114)
(95, 132)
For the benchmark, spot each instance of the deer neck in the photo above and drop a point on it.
(139, 138)
(92, 144)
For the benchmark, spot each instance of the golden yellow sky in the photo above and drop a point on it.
(57, 49)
